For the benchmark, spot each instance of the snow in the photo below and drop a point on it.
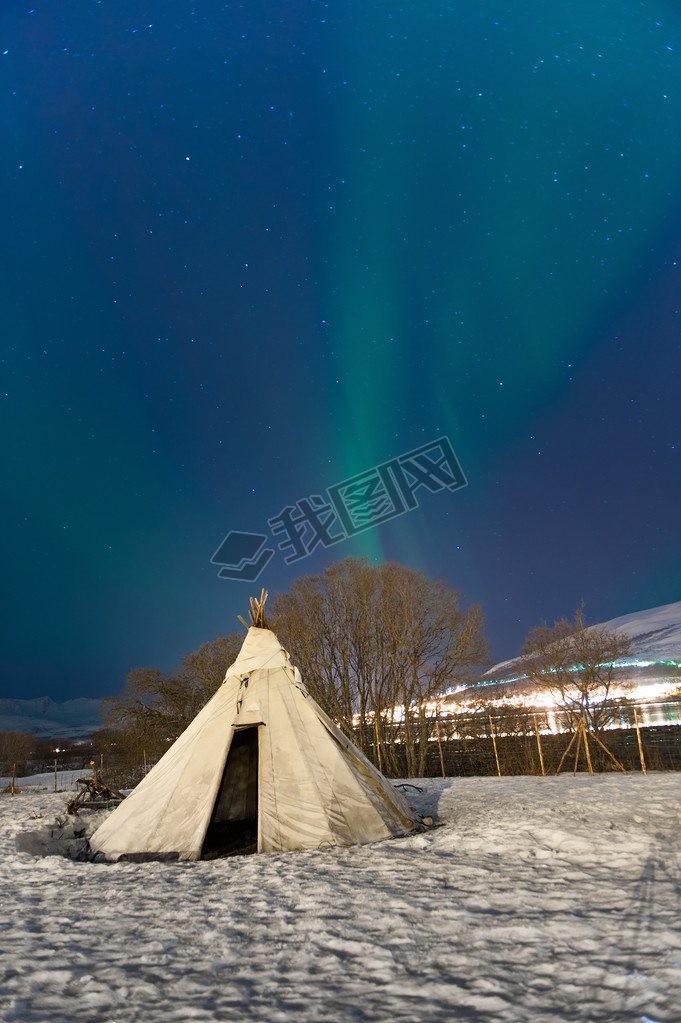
(532, 899)
(655, 634)
(66, 781)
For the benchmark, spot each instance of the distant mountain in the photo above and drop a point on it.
(42, 717)
(655, 635)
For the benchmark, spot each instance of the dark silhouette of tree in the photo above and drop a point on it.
(155, 708)
(15, 748)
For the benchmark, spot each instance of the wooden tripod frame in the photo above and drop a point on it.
(582, 732)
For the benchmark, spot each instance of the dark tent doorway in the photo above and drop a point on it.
(233, 827)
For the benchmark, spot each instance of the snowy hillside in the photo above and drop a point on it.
(535, 899)
(73, 719)
(655, 635)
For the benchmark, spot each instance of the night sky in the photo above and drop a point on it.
(252, 249)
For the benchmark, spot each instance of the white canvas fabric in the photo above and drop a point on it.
(314, 787)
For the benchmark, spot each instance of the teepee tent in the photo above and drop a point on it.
(261, 766)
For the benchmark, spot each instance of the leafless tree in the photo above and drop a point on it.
(155, 707)
(15, 748)
(203, 671)
(375, 643)
(574, 662)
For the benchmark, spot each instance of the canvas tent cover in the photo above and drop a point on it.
(308, 785)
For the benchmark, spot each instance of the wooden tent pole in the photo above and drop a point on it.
(612, 757)
(566, 752)
(580, 728)
(586, 747)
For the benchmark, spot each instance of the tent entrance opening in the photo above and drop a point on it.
(233, 828)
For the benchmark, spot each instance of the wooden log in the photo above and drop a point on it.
(98, 804)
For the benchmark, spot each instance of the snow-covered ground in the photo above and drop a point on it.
(66, 781)
(535, 899)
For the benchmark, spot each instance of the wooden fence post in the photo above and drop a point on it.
(566, 752)
(494, 740)
(55, 774)
(640, 744)
(439, 743)
(541, 756)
